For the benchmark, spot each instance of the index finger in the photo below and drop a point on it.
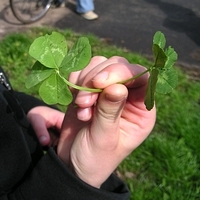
(120, 72)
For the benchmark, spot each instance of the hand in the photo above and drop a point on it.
(106, 127)
(44, 120)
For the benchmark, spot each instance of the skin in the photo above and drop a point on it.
(43, 118)
(104, 128)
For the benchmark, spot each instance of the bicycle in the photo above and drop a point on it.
(29, 11)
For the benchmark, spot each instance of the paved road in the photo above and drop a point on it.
(130, 24)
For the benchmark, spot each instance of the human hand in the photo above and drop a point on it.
(106, 127)
(44, 120)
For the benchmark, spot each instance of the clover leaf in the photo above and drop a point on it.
(54, 64)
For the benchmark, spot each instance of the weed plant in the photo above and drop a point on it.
(167, 165)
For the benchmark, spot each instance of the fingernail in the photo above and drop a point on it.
(102, 76)
(42, 139)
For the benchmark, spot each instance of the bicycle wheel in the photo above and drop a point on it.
(28, 11)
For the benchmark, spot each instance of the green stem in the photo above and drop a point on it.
(80, 87)
(83, 88)
(134, 77)
(97, 89)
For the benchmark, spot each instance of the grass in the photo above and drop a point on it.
(167, 165)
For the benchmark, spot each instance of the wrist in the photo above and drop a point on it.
(89, 178)
(84, 173)
(90, 172)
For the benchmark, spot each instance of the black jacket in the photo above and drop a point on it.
(26, 173)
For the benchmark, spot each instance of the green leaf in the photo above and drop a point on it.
(151, 87)
(167, 81)
(171, 57)
(53, 63)
(55, 91)
(49, 50)
(159, 63)
(159, 39)
(163, 77)
(159, 56)
(38, 73)
(77, 58)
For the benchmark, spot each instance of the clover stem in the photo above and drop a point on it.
(80, 87)
(97, 89)
(134, 77)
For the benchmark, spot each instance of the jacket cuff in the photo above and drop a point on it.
(51, 179)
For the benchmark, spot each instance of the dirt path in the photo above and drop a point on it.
(129, 24)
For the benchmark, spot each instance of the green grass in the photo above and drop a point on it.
(167, 165)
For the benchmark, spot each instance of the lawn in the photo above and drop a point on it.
(167, 165)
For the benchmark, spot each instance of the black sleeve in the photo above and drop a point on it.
(28, 102)
(27, 174)
(52, 180)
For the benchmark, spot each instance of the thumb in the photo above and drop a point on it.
(106, 118)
